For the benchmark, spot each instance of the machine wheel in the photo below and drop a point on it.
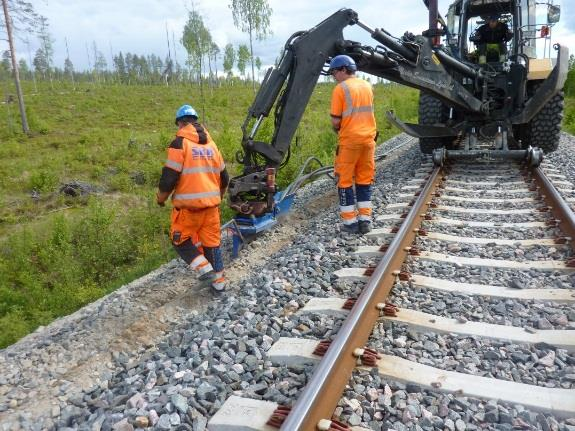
(544, 130)
(432, 111)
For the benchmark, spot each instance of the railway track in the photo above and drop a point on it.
(437, 281)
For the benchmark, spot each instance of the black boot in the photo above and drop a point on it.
(364, 226)
(350, 228)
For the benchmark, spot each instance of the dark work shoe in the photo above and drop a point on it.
(364, 227)
(350, 228)
(207, 276)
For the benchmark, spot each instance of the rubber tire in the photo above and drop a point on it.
(544, 130)
(432, 111)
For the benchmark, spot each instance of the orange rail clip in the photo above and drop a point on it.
(414, 251)
(278, 416)
(369, 271)
(404, 276)
(367, 357)
(322, 347)
(349, 303)
(390, 309)
(332, 425)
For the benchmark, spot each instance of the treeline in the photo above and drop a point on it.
(132, 68)
(205, 60)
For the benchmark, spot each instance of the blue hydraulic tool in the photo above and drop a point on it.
(245, 227)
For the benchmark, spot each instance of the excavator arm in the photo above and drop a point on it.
(413, 61)
(288, 87)
(300, 67)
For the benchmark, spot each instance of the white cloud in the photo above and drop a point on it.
(139, 26)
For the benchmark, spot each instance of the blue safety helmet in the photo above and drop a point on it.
(340, 61)
(185, 111)
(493, 17)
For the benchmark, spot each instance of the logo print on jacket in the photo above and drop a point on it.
(202, 153)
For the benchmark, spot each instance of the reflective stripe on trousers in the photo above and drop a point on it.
(201, 265)
(364, 209)
(220, 282)
(348, 214)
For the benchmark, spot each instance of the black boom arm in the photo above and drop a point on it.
(412, 61)
(304, 57)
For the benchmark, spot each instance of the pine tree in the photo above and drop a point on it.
(120, 67)
(46, 49)
(68, 67)
(41, 63)
(23, 66)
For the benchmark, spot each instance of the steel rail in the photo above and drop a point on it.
(559, 208)
(323, 391)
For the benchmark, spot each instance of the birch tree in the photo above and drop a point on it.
(243, 57)
(197, 41)
(229, 59)
(252, 17)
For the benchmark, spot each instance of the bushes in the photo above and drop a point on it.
(569, 87)
(43, 181)
(569, 115)
(53, 262)
(54, 271)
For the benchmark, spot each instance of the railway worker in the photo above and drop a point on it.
(196, 177)
(353, 120)
(491, 40)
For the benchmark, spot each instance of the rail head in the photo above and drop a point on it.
(559, 207)
(322, 393)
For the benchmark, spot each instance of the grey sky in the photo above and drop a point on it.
(139, 26)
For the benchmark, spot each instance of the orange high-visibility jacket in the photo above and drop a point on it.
(352, 101)
(199, 163)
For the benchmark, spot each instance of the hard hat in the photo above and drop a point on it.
(186, 111)
(493, 17)
(340, 61)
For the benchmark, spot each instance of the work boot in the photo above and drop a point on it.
(207, 276)
(350, 228)
(202, 267)
(364, 226)
(219, 282)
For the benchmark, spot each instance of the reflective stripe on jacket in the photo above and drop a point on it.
(352, 101)
(199, 163)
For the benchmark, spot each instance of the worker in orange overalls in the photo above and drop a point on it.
(196, 174)
(353, 119)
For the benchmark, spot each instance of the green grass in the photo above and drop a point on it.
(58, 253)
(569, 115)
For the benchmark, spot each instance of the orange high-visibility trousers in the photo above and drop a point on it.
(201, 225)
(355, 164)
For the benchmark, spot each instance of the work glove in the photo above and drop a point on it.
(161, 198)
